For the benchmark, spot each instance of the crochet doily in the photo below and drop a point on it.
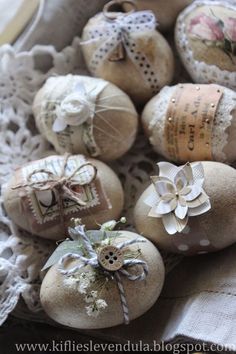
(22, 255)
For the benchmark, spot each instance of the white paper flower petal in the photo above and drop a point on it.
(166, 207)
(203, 208)
(172, 224)
(152, 199)
(168, 170)
(185, 174)
(198, 173)
(164, 187)
(168, 197)
(59, 125)
(194, 193)
(181, 211)
(201, 199)
(153, 214)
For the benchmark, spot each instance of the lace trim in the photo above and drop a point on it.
(200, 71)
(222, 121)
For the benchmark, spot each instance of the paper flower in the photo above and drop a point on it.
(74, 109)
(178, 195)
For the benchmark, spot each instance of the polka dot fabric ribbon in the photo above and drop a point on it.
(117, 31)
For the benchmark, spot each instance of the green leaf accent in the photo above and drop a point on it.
(64, 248)
(77, 246)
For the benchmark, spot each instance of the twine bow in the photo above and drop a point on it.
(93, 262)
(117, 41)
(61, 184)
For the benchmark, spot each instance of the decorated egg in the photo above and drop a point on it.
(42, 196)
(126, 49)
(192, 122)
(80, 114)
(206, 41)
(165, 11)
(92, 283)
(189, 209)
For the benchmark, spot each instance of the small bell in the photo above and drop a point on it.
(118, 53)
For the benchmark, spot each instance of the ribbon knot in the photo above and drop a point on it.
(115, 36)
(93, 261)
(61, 184)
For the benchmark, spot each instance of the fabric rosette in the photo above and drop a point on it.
(77, 107)
(179, 194)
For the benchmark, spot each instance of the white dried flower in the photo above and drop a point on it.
(109, 225)
(101, 304)
(105, 242)
(91, 297)
(94, 309)
(85, 280)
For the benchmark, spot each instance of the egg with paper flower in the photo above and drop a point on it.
(50, 191)
(189, 209)
(93, 279)
(80, 114)
(127, 50)
(206, 41)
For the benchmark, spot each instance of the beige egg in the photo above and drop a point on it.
(159, 120)
(38, 211)
(206, 39)
(66, 305)
(165, 11)
(97, 119)
(209, 232)
(140, 65)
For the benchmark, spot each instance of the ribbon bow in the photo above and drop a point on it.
(94, 262)
(61, 184)
(117, 41)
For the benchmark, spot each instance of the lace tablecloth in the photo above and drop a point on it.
(197, 302)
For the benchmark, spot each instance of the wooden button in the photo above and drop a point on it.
(111, 258)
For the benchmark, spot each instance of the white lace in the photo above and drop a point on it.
(200, 71)
(22, 255)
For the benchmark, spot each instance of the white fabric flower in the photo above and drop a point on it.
(179, 194)
(77, 107)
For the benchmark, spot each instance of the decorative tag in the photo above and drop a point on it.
(189, 122)
(41, 206)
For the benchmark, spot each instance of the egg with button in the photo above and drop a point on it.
(97, 289)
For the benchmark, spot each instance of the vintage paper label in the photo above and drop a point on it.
(189, 122)
(41, 207)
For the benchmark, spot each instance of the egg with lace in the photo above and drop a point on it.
(156, 120)
(165, 11)
(127, 50)
(80, 114)
(91, 299)
(206, 41)
(42, 196)
(189, 209)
